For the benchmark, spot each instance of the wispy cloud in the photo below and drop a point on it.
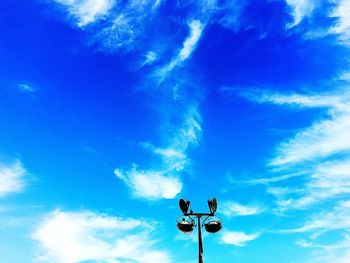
(337, 252)
(150, 58)
(24, 87)
(327, 181)
(12, 177)
(127, 25)
(230, 208)
(299, 10)
(195, 31)
(324, 137)
(336, 219)
(320, 140)
(317, 159)
(118, 25)
(342, 25)
(196, 28)
(275, 179)
(87, 11)
(163, 180)
(332, 100)
(150, 184)
(88, 236)
(239, 239)
(319, 153)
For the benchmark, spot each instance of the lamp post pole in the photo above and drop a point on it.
(200, 244)
(200, 241)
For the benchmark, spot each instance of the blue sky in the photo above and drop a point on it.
(111, 111)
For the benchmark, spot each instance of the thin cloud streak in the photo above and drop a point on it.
(163, 180)
(195, 31)
(87, 11)
(127, 25)
(338, 252)
(239, 239)
(299, 10)
(319, 153)
(275, 179)
(12, 178)
(342, 25)
(122, 25)
(26, 88)
(323, 138)
(150, 184)
(337, 219)
(326, 182)
(231, 208)
(87, 236)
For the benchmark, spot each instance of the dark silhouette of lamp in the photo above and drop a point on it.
(186, 224)
(211, 223)
(184, 205)
(213, 205)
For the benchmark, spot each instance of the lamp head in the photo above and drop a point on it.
(213, 205)
(184, 205)
(185, 224)
(212, 224)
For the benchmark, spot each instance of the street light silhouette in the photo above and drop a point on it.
(187, 224)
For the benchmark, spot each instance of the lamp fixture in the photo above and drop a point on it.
(211, 223)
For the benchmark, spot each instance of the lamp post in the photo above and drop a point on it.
(187, 224)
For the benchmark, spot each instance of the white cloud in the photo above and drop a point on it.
(337, 252)
(342, 26)
(336, 219)
(335, 100)
(230, 208)
(175, 159)
(127, 23)
(11, 178)
(150, 58)
(230, 13)
(196, 28)
(238, 238)
(126, 26)
(87, 11)
(26, 88)
(282, 191)
(320, 153)
(305, 8)
(300, 9)
(190, 131)
(150, 184)
(163, 180)
(87, 236)
(323, 138)
(328, 180)
(187, 134)
(275, 179)
(122, 32)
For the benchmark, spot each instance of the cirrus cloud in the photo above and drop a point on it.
(87, 11)
(12, 177)
(85, 235)
(239, 239)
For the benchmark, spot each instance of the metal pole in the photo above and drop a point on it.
(200, 244)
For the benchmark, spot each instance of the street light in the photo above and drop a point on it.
(187, 224)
